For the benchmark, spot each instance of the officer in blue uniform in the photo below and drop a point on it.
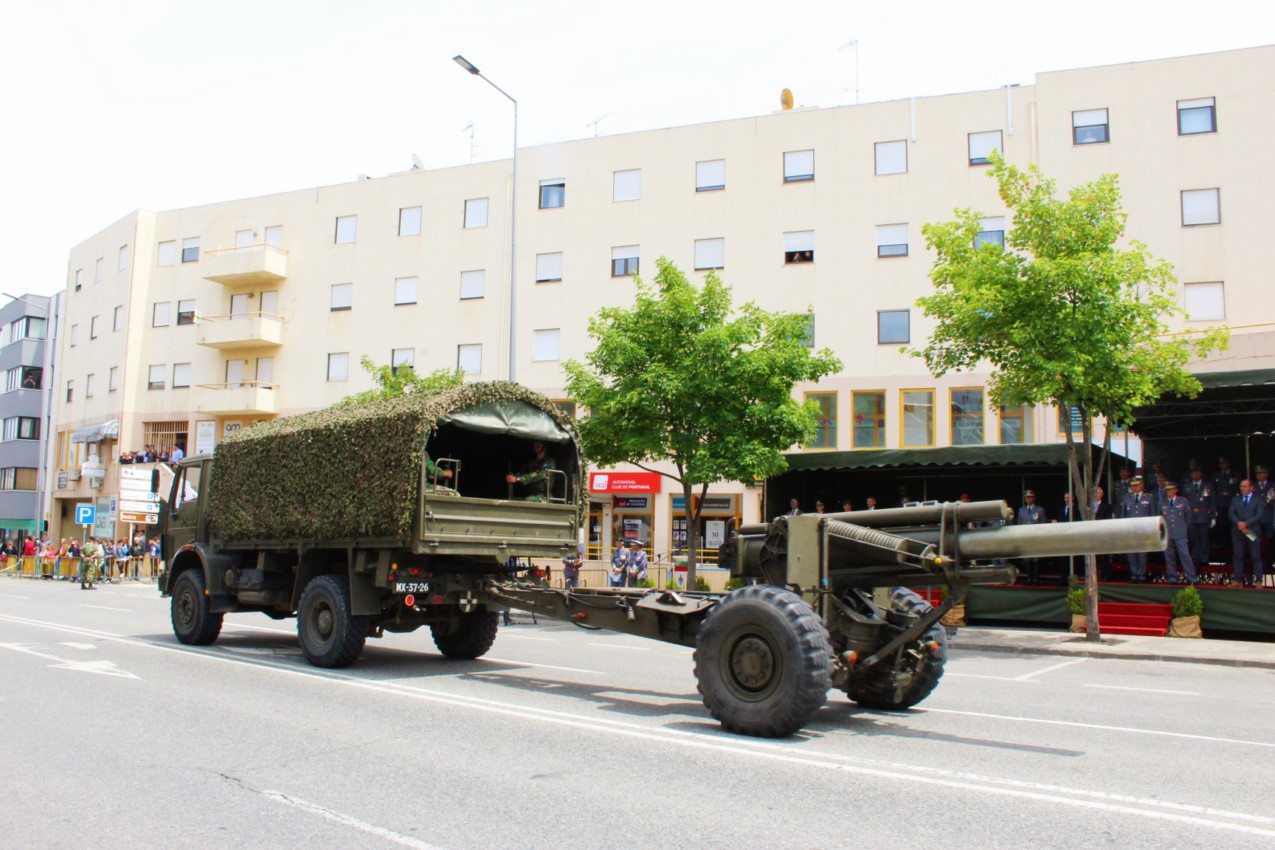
(1137, 504)
(1225, 485)
(1031, 514)
(1199, 495)
(1177, 521)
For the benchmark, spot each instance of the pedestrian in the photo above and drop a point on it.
(1177, 520)
(637, 564)
(136, 552)
(571, 564)
(1137, 504)
(794, 507)
(619, 563)
(1199, 495)
(88, 564)
(1031, 514)
(532, 482)
(177, 455)
(1245, 516)
(154, 554)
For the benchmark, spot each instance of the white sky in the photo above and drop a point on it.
(109, 106)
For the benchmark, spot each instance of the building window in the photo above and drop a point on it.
(553, 193)
(710, 175)
(409, 221)
(342, 297)
(119, 319)
(982, 145)
(799, 247)
(186, 311)
(22, 428)
(869, 419)
(710, 254)
(475, 213)
(1201, 206)
(894, 327)
(70, 390)
(190, 249)
(992, 232)
(402, 357)
(235, 369)
(1017, 424)
(24, 378)
(113, 379)
(99, 269)
(167, 254)
(93, 327)
(338, 366)
(27, 327)
(90, 385)
(79, 279)
(1204, 302)
(347, 229)
(624, 261)
(967, 416)
(405, 290)
(548, 268)
(544, 344)
(1089, 127)
(124, 258)
(892, 157)
(155, 377)
(1069, 417)
(74, 335)
(469, 358)
(181, 375)
(1197, 116)
(892, 240)
(825, 420)
(473, 284)
(274, 236)
(799, 166)
(161, 314)
(627, 185)
(918, 418)
(18, 478)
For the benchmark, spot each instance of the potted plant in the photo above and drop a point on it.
(1076, 604)
(1187, 607)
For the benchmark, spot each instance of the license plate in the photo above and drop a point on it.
(411, 587)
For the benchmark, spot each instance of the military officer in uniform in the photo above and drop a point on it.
(1177, 520)
(1031, 514)
(1199, 495)
(1265, 493)
(1137, 504)
(532, 483)
(1120, 489)
(1225, 484)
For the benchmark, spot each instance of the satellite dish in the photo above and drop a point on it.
(785, 99)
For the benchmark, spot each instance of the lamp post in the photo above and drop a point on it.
(513, 219)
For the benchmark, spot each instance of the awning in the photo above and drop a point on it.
(108, 430)
(18, 524)
(1025, 454)
(1232, 404)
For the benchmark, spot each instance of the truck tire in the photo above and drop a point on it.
(472, 638)
(900, 684)
(193, 623)
(330, 635)
(763, 661)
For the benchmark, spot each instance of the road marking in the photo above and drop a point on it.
(1146, 690)
(292, 632)
(75, 645)
(1026, 677)
(103, 607)
(783, 753)
(527, 637)
(622, 646)
(346, 820)
(546, 666)
(1099, 726)
(992, 678)
(105, 668)
(10, 596)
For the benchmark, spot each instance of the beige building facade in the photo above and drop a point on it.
(183, 326)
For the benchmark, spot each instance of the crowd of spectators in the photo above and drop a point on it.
(149, 454)
(68, 558)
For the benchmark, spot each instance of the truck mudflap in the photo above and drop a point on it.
(455, 525)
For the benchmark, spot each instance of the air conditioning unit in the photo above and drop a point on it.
(73, 475)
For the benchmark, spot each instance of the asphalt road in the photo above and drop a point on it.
(115, 735)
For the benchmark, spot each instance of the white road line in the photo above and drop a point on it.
(1079, 725)
(10, 596)
(1029, 676)
(719, 742)
(346, 820)
(546, 666)
(503, 633)
(622, 646)
(992, 678)
(292, 632)
(75, 645)
(103, 607)
(1146, 690)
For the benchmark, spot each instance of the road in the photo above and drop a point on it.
(115, 735)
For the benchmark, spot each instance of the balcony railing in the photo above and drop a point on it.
(246, 265)
(240, 330)
(255, 397)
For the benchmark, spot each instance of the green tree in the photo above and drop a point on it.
(400, 380)
(1062, 313)
(680, 377)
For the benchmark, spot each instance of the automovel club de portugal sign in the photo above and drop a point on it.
(624, 482)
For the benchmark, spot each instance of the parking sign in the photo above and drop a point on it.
(85, 514)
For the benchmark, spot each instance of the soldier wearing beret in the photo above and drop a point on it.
(1137, 504)
(1177, 520)
(1031, 514)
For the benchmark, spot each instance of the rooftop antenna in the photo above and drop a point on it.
(596, 121)
(417, 165)
(855, 44)
(470, 128)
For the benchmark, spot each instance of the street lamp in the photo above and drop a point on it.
(513, 217)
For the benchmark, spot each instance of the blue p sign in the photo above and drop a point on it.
(85, 514)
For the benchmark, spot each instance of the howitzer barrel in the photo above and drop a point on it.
(1140, 534)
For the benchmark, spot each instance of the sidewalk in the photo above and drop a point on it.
(1230, 653)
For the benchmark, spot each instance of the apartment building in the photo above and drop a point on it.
(27, 342)
(187, 325)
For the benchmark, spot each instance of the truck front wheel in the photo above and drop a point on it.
(472, 637)
(762, 661)
(193, 623)
(330, 635)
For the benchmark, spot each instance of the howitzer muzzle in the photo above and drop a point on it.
(1139, 534)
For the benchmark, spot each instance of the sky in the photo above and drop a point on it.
(111, 106)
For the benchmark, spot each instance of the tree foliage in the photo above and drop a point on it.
(680, 376)
(392, 381)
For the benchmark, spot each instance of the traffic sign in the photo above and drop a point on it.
(128, 506)
(85, 514)
(138, 518)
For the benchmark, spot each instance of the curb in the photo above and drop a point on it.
(1081, 652)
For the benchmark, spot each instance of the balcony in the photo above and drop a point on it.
(248, 397)
(241, 330)
(247, 265)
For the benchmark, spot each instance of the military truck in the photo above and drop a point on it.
(340, 519)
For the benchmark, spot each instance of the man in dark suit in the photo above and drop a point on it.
(1068, 513)
(1102, 510)
(1246, 530)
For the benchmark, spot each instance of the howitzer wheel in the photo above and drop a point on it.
(902, 682)
(763, 662)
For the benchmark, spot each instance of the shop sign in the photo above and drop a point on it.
(632, 503)
(624, 482)
(712, 505)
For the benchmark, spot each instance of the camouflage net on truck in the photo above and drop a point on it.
(341, 473)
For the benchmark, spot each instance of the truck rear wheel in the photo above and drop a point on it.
(330, 635)
(763, 662)
(193, 623)
(472, 638)
(902, 682)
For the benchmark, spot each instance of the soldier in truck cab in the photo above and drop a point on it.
(531, 483)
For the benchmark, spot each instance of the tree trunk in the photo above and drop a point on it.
(692, 536)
